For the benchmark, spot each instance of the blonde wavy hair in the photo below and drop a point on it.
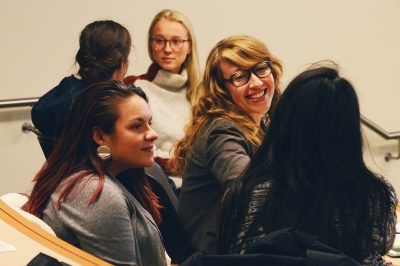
(216, 102)
(191, 63)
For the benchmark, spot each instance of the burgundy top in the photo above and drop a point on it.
(150, 75)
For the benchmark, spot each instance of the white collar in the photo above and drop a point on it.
(171, 81)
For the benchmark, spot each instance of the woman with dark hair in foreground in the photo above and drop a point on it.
(77, 191)
(309, 175)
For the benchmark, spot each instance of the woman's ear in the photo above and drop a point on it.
(124, 66)
(99, 136)
(120, 73)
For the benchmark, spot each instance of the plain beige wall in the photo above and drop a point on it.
(39, 40)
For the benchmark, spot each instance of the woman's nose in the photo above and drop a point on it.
(167, 47)
(255, 81)
(151, 135)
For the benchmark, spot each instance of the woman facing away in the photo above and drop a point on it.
(104, 47)
(309, 175)
(172, 79)
(77, 192)
(240, 87)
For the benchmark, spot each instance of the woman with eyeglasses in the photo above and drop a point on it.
(172, 79)
(241, 86)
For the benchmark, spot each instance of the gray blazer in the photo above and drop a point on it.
(106, 228)
(219, 154)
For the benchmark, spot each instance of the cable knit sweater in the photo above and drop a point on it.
(170, 108)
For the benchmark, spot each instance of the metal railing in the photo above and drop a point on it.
(22, 102)
(386, 135)
(26, 127)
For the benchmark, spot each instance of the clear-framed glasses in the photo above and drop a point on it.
(240, 78)
(175, 44)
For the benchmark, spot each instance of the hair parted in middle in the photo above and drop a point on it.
(191, 63)
(216, 101)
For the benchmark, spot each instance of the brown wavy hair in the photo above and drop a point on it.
(216, 101)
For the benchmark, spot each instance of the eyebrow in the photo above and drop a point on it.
(140, 119)
(174, 36)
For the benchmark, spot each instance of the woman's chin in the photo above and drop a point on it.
(149, 163)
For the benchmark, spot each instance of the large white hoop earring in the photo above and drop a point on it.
(104, 153)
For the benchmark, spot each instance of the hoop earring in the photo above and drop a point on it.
(104, 153)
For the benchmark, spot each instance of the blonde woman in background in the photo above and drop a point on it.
(170, 84)
(171, 79)
(241, 86)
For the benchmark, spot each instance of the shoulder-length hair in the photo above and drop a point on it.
(96, 106)
(191, 63)
(216, 101)
(312, 157)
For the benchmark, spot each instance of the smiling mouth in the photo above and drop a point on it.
(256, 96)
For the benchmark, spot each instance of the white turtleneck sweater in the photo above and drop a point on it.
(171, 110)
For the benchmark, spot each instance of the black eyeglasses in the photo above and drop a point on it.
(240, 78)
(175, 44)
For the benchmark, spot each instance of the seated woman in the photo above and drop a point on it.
(77, 192)
(103, 55)
(309, 175)
(240, 87)
(172, 78)
(104, 47)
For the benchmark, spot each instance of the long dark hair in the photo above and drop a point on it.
(103, 46)
(97, 106)
(312, 156)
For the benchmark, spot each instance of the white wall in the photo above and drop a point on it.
(20, 156)
(39, 40)
(375, 148)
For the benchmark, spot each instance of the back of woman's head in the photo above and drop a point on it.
(317, 126)
(191, 63)
(96, 106)
(103, 47)
(312, 154)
